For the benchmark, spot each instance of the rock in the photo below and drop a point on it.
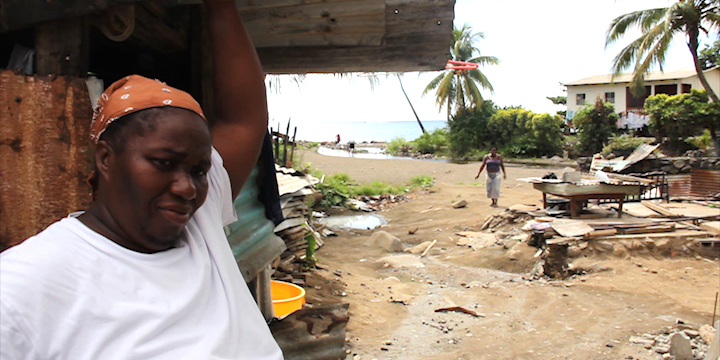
(680, 347)
(619, 250)
(460, 204)
(418, 249)
(641, 341)
(662, 349)
(603, 245)
(679, 164)
(482, 240)
(385, 240)
(574, 251)
(707, 333)
(663, 244)
(691, 333)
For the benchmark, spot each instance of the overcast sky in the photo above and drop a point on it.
(540, 43)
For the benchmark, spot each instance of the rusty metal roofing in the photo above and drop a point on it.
(704, 182)
(678, 185)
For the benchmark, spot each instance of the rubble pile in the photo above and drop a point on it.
(297, 230)
(669, 165)
(680, 341)
(383, 202)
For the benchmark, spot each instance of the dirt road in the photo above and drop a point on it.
(393, 296)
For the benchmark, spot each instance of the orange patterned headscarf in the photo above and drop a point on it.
(134, 93)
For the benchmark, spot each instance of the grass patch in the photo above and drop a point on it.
(421, 181)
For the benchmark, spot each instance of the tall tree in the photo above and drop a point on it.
(658, 27)
(460, 88)
(710, 55)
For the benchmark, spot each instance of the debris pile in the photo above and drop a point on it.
(297, 230)
(680, 341)
(383, 202)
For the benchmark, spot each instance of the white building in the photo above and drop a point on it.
(617, 90)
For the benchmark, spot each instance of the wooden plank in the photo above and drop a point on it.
(330, 23)
(676, 234)
(691, 210)
(711, 226)
(659, 208)
(598, 233)
(636, 209)
(571, 228)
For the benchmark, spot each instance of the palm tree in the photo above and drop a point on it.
(658, 27)
(459, 87)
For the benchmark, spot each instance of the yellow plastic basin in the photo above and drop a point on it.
(287, 298)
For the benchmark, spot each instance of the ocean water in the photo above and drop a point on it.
(358, 131)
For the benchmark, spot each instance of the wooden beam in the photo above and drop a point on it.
(61, 47)
(328, 23)
(18, 14)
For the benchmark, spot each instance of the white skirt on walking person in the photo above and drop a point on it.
(492, 184)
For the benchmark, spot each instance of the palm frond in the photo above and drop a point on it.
(644, 19)
(480, 78)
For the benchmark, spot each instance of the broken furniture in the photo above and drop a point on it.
(580, 193)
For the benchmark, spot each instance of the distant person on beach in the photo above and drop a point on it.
(337, 139)
(494, 163)
(351, 147)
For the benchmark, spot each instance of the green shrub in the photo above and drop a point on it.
(431, 143)
(398, 146)
(596, 123)
(335, 189)
(421, 181)
(378, 188)
(702, 141)
(468, 129)
(623, 144)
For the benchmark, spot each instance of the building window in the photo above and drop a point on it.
(610, 97)
(669, 89)
(685, 88)
(580, 99)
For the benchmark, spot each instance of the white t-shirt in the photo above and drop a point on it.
(70, 293)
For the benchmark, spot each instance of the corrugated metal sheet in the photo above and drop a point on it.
(679, 185)
(704, 182)
(44, 152)
(251, 238)
(288, 184)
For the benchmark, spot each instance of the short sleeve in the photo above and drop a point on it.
(220, 190)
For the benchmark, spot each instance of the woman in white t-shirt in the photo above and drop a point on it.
(146, 271)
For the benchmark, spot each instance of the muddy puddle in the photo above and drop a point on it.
(362, 221)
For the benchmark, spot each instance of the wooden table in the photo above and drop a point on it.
(578, 194)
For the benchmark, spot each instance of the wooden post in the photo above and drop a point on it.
(292, 149)
(285, 144)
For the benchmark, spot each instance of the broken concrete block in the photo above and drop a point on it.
(707, 333)
(460, 204)
(680, 347)
(385, 240)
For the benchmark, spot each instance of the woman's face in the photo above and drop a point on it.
(155, 185)
(493, 150)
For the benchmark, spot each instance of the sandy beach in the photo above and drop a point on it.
(393, 296)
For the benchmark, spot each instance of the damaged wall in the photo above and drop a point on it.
(44, 152)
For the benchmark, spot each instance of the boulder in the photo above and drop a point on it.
(707, 333)
(385, 240)
(680, 347)
(459, 204)
(418, 249)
